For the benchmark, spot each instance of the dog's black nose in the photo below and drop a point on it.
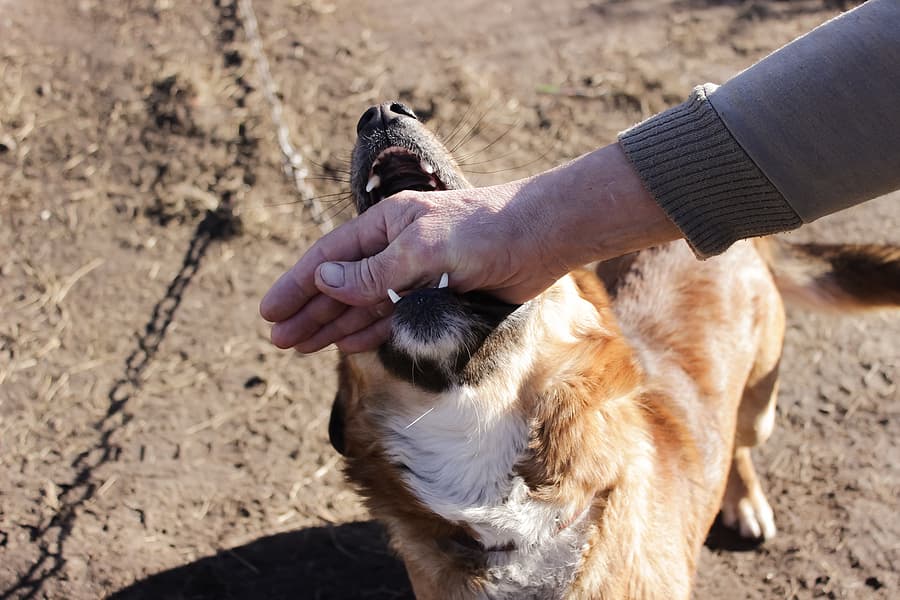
(379, 116)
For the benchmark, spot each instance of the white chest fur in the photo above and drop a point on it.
(461, 455)
(461, 452)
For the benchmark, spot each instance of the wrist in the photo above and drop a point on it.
(598, 208)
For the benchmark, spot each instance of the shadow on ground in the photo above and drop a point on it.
(724, 538)
(338, 562)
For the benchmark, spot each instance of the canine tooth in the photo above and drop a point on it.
(426, 167)
(394, 296)
(445, 281)
(374, 182)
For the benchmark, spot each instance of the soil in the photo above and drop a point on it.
(153, 444)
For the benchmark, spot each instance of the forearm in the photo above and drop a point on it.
(807, 131)
(596, 207)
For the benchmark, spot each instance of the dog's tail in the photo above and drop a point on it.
(835, 276)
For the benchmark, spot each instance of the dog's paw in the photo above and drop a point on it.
(750, 515)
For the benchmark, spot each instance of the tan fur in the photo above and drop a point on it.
(636, 410)
(835, 277)
(582, 446)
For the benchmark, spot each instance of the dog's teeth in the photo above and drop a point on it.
(394, 296)
(432, 183)
(426, 167)
(374, 182)
(444, 282)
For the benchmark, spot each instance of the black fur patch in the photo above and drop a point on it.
(336, 426)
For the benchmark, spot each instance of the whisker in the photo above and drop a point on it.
(325, 167)
(420, 417)
(465, 129)
(458, 125)
(413, 366)
(333, 202)
(473, 131)
(487, 160)
(337, 213)
(326, 178)
(322, 197)
(513, 168)
(336, 207)
(477, 152)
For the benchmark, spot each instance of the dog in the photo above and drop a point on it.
(579, 445)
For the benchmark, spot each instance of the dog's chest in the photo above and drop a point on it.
(458, 458)
(459, 452)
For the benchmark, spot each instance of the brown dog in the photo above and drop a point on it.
(574, 446)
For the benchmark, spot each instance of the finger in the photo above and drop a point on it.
(359, 237)
(400, 266)
(307, 322)
(355, 319)
(368, 339)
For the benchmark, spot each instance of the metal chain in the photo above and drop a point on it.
(293, 164)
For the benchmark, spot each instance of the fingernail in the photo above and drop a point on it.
(332, 274)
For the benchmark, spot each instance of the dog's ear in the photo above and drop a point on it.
(345, 406)
(336, 424)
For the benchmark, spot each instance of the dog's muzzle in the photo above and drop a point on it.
(437, 334)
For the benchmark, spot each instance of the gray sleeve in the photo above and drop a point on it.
(807, 131)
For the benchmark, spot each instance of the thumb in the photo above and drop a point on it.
(366, 281)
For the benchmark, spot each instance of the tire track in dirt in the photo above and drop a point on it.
(292, 162)
(169, 115)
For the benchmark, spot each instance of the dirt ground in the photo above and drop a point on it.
(154, 445)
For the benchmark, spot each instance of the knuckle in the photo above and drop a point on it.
(413, 205)
(371, 274)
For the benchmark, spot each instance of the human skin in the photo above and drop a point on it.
(513, 240)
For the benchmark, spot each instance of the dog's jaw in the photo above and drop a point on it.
(437, 337)
(432, 327)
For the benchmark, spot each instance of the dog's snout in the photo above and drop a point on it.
(382, 115)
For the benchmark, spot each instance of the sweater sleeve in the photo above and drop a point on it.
(807, 131)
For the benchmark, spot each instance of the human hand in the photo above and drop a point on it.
(337, 292)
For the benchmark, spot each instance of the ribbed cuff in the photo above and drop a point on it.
(703, 179)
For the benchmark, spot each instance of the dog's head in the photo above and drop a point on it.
(437, 335)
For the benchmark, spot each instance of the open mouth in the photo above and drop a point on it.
(396, 169)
